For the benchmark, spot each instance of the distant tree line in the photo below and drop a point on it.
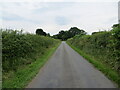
(64, 35)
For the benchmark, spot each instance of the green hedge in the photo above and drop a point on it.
(20, 49)
(103, 46)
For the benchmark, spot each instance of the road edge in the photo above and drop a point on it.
(110, 74)
(23, 76)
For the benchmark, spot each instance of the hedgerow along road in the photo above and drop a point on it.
(67, 69)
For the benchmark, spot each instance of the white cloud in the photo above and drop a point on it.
(90, 16)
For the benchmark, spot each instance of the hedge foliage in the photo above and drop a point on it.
(19, 49)
(103, 46)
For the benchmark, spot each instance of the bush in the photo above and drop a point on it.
(19, 49)
(116, 45)
(103, 46)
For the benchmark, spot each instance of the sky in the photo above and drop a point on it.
(55, 15)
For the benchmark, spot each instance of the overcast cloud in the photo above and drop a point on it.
(60, 15)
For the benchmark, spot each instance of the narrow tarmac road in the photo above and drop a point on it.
(67, 69)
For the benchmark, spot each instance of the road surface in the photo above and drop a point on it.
(67, 69)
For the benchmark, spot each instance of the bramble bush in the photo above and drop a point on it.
(20, 49)
(103, 46)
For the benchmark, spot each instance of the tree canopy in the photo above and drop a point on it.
(41, 32)
(64, 35)
(116, 25)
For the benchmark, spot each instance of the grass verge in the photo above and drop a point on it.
(23, 76)
(110, 73)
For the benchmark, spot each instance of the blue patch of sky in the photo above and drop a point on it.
(61, 20)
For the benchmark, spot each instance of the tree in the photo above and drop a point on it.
(48, 35)
(115, 25)
(40, 32)
(64, 35)
(75, 31)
